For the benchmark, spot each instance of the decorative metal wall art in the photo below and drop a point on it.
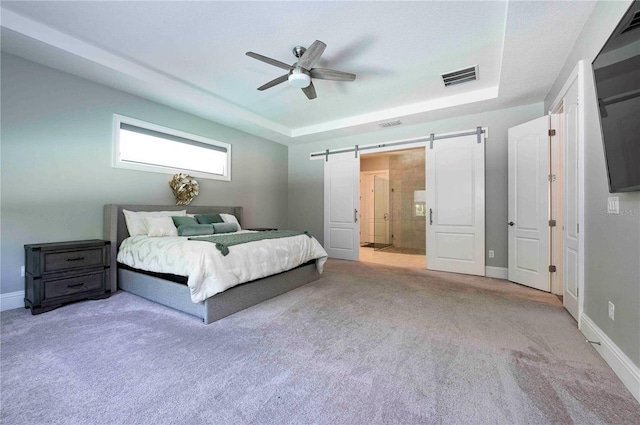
(184, 187)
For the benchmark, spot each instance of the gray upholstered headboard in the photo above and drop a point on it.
(115, 228)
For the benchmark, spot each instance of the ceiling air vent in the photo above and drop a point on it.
(634, 24)
(390, 123)
(461, 76)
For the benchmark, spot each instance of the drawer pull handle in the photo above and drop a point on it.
(75, 285)
(75, 259)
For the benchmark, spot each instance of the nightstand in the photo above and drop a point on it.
(58, 273)
(262, 229)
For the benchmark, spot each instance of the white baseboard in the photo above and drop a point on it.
(11, 300)
(626, 370)
(496, 272)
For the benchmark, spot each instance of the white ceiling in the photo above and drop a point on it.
(191, 55)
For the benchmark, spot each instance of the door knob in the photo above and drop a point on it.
(511, 223)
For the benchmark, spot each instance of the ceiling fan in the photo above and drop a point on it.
(301, 72)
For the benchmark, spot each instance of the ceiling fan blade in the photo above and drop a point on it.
(269, 60)
(330, 74)
(312, 54)
(310, 91)
(275, 82)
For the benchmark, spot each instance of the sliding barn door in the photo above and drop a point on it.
(528, 218)
(455, 202)
(341, 203)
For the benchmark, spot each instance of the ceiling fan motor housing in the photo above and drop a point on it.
(299, 78)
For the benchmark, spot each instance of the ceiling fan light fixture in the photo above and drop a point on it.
(299, 80)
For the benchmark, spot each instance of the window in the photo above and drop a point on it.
(140, 145)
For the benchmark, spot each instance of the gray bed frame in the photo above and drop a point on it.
(176, 295)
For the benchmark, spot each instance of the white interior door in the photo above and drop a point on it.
(570, 205)
(455, 205)
(366, 205)
(529, 204)
(374, 207)
(341, 203)
(556, 195)
(381, 208)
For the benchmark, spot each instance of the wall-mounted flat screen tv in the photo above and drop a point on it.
(617, 76)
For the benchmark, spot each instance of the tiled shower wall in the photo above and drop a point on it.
(406, 175)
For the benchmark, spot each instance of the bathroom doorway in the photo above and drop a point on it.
(393, 210)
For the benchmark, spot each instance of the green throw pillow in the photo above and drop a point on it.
(195, 229)
(209, 218)
(225, 227)
(179, 221)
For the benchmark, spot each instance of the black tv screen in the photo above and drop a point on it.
(617, 76)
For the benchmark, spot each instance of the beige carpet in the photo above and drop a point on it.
(365, 344)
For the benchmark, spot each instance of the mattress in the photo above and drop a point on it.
(208, 272)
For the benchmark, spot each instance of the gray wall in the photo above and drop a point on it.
(56, 162)
(306, 177)
(612, 251)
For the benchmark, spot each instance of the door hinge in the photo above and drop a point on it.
(552, 269)
(552, 223)
(578, 228)
(552, 132)
(552, 177)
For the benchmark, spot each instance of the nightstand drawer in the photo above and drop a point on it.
(68, 260)
(74, 285)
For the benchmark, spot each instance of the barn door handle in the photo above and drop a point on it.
(511, 223)
(355, 216)
(430, 216)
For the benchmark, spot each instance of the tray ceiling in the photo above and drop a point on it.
(191, 55)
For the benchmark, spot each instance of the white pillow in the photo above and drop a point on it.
(230, 218)
(160, 226)
(135, 219)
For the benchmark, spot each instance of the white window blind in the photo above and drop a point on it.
(144, 146)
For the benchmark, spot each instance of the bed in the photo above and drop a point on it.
(172, 291)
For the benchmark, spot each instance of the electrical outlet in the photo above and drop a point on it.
(22, 271)
(613, 205)
(612, 310)
(492, 254)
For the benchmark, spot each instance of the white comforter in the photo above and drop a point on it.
(208, 271)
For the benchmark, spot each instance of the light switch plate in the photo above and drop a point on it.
(613, 205)
(612, 311)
